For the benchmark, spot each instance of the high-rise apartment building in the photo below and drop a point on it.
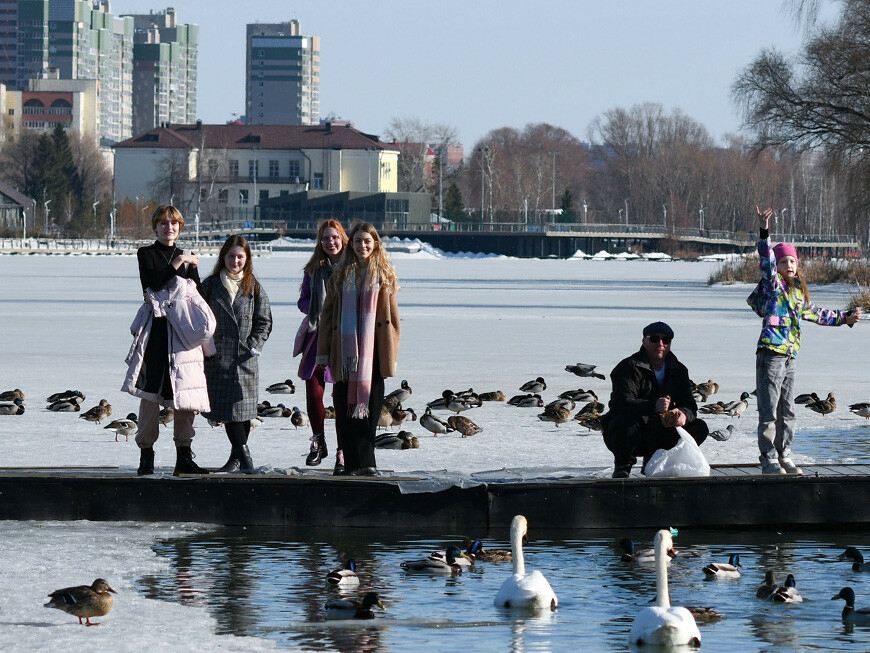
(164, 70)
(82, 39)
(282, 75)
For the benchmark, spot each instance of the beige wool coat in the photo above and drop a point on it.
(387, 333)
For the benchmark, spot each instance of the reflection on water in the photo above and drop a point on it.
(272, 583)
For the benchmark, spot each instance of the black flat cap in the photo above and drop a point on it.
(658, 327)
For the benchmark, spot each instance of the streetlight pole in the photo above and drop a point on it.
(483, 151)
(46, 213)
(665, 212)
(554, 154)
(585, 209)
(441, 183)
(626, 211)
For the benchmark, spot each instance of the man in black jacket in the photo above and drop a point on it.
(652, 394)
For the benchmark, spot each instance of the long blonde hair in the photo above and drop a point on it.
(379, 263)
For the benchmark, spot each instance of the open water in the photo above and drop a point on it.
(272, 583)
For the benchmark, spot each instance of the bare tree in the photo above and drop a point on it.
(416, 140)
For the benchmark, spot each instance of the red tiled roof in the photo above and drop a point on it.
(271, 137)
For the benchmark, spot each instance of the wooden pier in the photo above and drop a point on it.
(826, 496)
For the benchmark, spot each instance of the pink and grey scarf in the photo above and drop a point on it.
(358, 307)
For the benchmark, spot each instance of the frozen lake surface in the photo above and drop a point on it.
(489, 324)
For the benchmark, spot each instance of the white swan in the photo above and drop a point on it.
(524, 590)
(661, 624)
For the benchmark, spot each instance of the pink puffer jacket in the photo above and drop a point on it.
(186, 372)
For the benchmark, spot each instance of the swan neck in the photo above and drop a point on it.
(517, 550)
(663, 599)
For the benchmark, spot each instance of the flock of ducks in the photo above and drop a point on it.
(522, 589)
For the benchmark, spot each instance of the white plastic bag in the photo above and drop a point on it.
(684, 459)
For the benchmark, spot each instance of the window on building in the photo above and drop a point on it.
(273, 169)
(203, 194)
(264, 195)
(294, 169)
(223, 196)
(253, 169)
(234, 168)
(243, 196)
(317, 182)
(212, 167)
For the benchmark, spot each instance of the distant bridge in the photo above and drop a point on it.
(544, 240)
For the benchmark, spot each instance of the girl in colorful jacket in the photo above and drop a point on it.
(785, 301)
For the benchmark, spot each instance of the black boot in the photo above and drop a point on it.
(318, 451)
(184, 463)
(233, 464)
(246, 465)
(146, 461)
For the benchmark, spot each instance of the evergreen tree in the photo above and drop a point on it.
(567, 205)
(454, 209)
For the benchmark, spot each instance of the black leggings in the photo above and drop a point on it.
(357, 436)
(238, 432)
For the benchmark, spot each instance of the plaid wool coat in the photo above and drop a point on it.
(232, 373)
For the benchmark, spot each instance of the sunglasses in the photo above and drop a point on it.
(657, 338)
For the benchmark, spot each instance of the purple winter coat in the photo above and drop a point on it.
(306, 341)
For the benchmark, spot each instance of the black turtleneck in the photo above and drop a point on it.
(155, 269)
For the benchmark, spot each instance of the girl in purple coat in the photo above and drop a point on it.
(331, 241)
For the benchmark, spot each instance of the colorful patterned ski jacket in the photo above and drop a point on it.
(785, 308)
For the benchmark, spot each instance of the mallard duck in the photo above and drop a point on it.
(584, 369)
(579, 395)
(535, 386)
(862, 409)
(298, 418)
(496, 395)
(70, 405)
(467, 560)
(562, 402)
(592, 407)
(850, 614)
(768, 587)
(434, 424)
(286, 388)
(470, 397)
(396, 416)
(524, 590)
(441, 402)
(708, 388)
(66, 395)
(490, 555)
(166, 415)
(98, 413)
(271, 411)
(457, 404)
(806, 398)
(12, 395)
(824, 406)
(463, 425)
(344, 577)
(353, 609)
(125, 427)
(718, 408)
(704, 614)
(398, 397)
(737, 408)
(591, 421)
(787, 593)
(556, 414)
(662, 624)
(724, 569)
(400, 440)
(329, 412)
(526, 401)
(15, 407)
(431, 565)
(642, 556)
(84, 601)
(857, 558)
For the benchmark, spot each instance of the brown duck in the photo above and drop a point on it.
(84, 601)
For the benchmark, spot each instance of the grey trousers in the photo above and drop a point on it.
(774, 385)
(149, 425)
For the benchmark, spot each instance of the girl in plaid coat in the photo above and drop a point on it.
(786, 301)
(244, 322)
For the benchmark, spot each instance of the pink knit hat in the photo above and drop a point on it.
(785, 249)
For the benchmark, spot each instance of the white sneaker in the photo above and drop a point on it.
(789, 467)
(770, 465)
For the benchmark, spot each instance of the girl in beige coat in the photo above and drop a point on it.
(359, 340)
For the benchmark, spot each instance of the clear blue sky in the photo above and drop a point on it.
(484, 64)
